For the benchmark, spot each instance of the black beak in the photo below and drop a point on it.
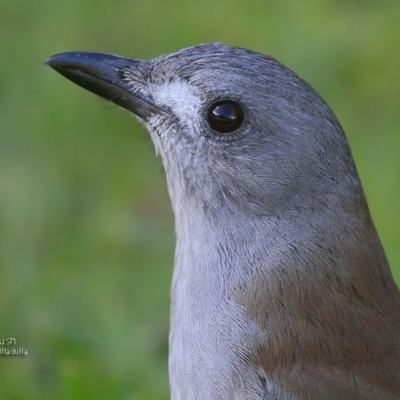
(105, 75)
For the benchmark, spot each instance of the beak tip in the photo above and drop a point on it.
(48, 61)
(66, 59)
(57, 60)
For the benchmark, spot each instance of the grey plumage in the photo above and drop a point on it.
(281, 289)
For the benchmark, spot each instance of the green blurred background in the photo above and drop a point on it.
(86, 231)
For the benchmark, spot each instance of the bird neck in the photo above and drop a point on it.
(238, 287)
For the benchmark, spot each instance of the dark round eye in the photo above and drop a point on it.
(225, 116)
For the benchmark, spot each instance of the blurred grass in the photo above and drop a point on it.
(86, 231)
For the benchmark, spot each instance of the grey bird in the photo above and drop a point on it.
(281, 288)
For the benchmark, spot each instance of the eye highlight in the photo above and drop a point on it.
(225, 116)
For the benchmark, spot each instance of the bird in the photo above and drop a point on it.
(281, 288)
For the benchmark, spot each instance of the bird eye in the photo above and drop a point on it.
(225, 116)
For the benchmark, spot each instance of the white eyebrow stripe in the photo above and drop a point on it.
(180, 96)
